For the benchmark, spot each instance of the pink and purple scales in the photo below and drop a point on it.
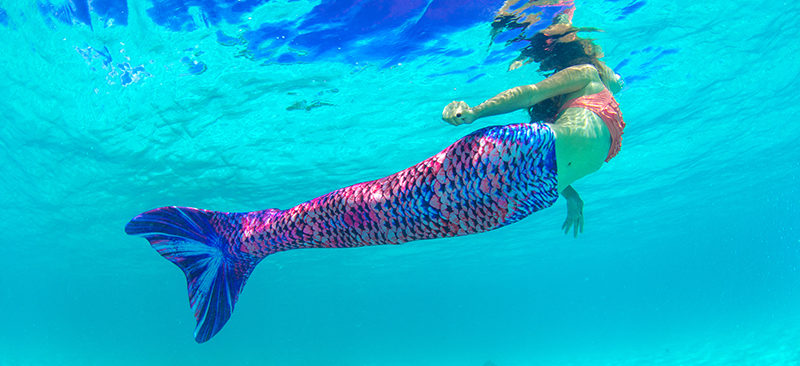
(490, 178)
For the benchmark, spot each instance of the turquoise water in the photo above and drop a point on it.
(692, 243)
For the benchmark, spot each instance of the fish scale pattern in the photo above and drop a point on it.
(488, 179)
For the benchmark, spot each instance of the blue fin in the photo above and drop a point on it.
(215, 272)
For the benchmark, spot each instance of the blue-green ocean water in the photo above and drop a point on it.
(109, 108)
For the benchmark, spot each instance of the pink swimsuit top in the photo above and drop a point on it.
(606, 107)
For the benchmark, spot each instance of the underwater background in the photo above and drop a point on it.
(108, 108)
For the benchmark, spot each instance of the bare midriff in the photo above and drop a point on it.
(582, 144)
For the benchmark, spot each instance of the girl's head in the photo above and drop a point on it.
(558, 46)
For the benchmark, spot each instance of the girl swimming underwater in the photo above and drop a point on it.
(490, 178)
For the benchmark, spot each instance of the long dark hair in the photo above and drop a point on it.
(555, 48)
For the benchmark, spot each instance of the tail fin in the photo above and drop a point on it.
(195, 241)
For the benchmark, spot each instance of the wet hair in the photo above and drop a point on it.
(555, 48)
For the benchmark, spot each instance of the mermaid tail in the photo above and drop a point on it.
(490, 178)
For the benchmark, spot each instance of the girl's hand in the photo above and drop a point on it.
(574, 216)
(458, 113)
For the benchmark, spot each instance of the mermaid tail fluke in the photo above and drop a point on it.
(199, 242)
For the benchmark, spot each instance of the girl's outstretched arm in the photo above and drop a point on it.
(565, 81)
